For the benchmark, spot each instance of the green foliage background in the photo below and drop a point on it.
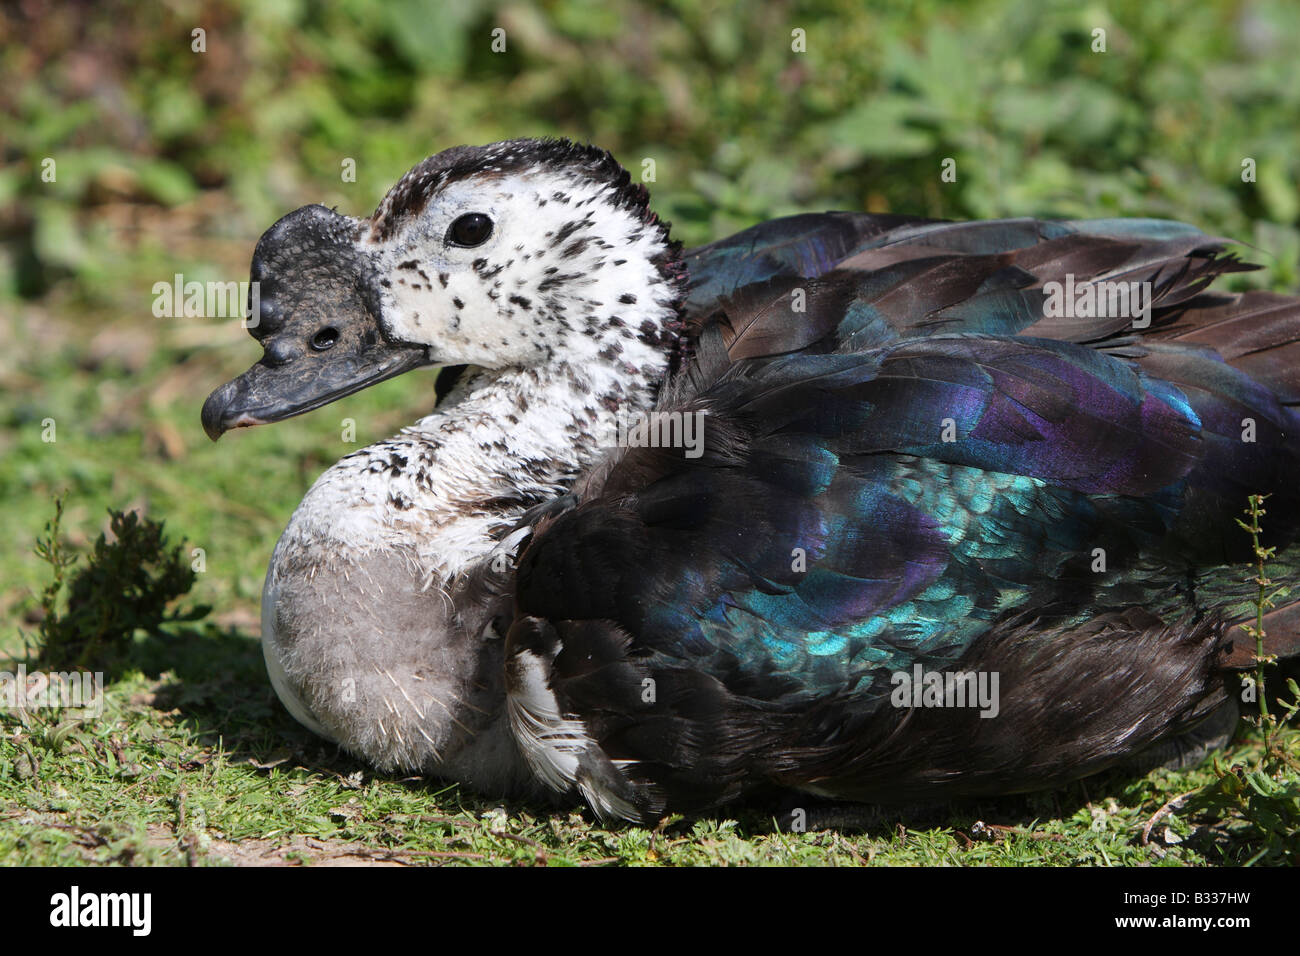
(171, 161)
(740, 127)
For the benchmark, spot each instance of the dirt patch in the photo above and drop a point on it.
(293, 851)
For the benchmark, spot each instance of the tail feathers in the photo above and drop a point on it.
(1256, 332)
(925, 289)
(1177, 269)
(1145, 230)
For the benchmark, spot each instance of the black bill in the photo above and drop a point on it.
(317, 321)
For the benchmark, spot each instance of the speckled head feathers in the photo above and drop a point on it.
(413, 191)
(570, 269)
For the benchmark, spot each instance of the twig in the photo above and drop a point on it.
(1174, 804)
(543, 856)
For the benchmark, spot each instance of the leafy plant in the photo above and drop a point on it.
(126, 585)
(1265, 798)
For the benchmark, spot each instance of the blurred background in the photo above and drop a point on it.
(170, 159)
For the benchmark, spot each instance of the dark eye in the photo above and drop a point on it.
(324, 339)
(471, 229)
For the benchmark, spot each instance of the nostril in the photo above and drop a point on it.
(325, 339)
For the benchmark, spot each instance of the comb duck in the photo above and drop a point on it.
(941, 509)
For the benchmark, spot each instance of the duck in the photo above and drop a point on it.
(868, 508)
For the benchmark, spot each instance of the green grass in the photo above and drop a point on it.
(170, 161)
(198, 764)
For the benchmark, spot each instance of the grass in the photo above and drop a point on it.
(170, 161)
(198, 764)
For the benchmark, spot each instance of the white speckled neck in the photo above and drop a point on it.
(373, 627)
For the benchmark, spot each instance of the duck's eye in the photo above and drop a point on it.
(471, 229)
(324, 339)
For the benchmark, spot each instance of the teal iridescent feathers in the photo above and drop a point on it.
(912, 460)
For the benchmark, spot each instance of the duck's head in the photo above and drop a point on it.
(526, 253)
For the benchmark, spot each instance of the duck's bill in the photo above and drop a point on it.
(272, 393)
